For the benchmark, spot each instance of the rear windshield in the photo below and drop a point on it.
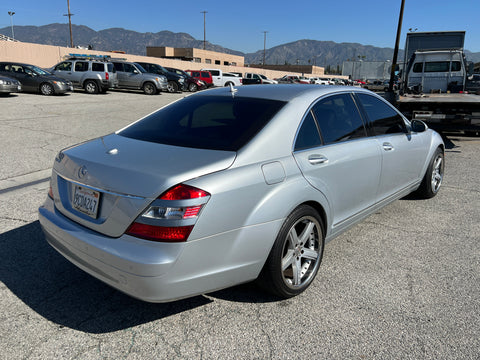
(206, 122)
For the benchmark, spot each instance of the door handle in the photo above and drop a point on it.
(317, 159)
(387, 146)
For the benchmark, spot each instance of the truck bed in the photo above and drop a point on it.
(443, 111)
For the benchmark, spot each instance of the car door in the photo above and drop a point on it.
(65, 71)
(216, 77)
(133, 78)
(337, 157)
(403, 151)
(25, 76)
(121, 75)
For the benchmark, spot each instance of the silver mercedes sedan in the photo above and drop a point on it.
(231, 185)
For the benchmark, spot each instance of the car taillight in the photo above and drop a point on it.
(107, 76)
(172, 216)
(50, 192)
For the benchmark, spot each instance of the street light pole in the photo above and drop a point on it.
(204, 29)
(264, 45)
(11, 13)
(69, 22)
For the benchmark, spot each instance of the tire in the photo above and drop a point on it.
(47, 89)
(192, 87)
(91, 87)
(296, 254)
(172, 87)
(149, 88)
(433, 178)
(229, 83)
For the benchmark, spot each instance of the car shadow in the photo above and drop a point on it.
(67, 296)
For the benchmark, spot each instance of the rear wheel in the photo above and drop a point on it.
(433, 177)
(172, 87)
(47, 89)
(91, 87)
(296, 254)
(149, 88)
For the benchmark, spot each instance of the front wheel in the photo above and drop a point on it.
(296, 254)
(192, 87)
(149, 88)
(433, 177)
(47, 89)
(172, 87)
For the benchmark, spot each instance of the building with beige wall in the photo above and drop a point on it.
(195, 55)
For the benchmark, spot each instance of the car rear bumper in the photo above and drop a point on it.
(155, 271)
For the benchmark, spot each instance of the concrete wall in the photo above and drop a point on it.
(46, 56)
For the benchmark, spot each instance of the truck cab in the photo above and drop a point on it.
(436, 71)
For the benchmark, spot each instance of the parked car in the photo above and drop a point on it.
(193, 84)
(9, 85)
(93, 74)
(133, 76)
(204, 76)
(288, 79)
(304, 80)
(176, 82)
(222, 78)
(227, 186)
(35, 79)
(252, 78)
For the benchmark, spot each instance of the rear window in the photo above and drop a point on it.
(206, 122)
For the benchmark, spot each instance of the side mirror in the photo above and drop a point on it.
(418, 126)
(470, 68)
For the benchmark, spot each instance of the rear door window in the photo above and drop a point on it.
(81, 66)
(338, 119)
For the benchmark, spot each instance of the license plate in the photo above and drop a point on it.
(86, 201)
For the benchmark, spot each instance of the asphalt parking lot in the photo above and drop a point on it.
(403, 284)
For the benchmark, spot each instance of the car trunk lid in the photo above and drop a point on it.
(124, 176)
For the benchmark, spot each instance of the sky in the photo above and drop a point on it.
(240, 25)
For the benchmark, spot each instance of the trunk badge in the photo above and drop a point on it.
(82, 172)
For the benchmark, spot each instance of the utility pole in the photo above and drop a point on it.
(11, 13)
(204, 29)
(264, 45)
(395, 52)
(69, 22)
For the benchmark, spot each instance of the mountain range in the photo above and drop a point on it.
(315, 52)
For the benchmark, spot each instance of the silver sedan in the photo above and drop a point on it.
(231, 185)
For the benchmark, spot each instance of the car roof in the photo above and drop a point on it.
(282, 92)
